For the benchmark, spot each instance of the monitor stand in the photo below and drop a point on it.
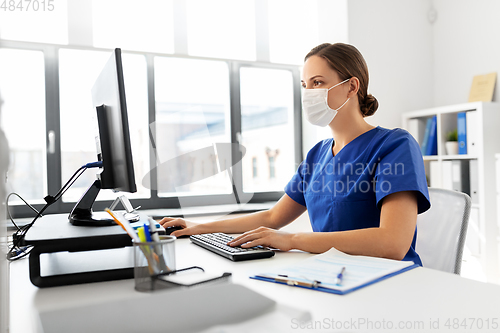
(82, 214)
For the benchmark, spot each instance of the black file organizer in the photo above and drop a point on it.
(54, 233)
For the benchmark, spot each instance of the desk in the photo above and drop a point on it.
(420, 300)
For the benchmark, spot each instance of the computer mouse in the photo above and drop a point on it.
(170, 230)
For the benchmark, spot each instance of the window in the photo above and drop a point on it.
(145, 25)
(228, 31)
(22, 87)
(272, 170)
(254, 167)
(192, 113)
(79, 121)
(267, 126)
(180, 106)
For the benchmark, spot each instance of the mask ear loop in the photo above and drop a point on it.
(338, 84)
(343, 104)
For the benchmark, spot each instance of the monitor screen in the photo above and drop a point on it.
(113, 143)
(108, 97)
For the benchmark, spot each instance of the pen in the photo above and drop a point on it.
(115, 219)
(340, 276)
(124, 224)
(293, 282)
(147, 234)
(153, 230)
(152, 224)
(150, 255)
(157, 248)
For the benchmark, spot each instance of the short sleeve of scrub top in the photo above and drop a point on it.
(346, 191)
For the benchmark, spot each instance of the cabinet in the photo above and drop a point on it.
(479, 179)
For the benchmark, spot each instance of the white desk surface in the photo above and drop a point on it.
(418, 300)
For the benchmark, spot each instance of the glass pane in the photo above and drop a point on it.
(293, 30)
(227, 32)
(145, 25)
(44, 21)
(78, 71)
(267, 129)
(192, 112)
(22, 87)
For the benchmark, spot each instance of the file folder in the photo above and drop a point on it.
(472, 126)
(462, 132)
(460, 176)
(431, 148)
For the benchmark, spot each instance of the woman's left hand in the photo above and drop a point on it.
(265, 237)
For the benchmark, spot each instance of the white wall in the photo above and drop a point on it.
(415, 64)
(332, 28)
(466, 43)
(395, 37)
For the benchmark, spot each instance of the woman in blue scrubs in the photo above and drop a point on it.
(363, 188)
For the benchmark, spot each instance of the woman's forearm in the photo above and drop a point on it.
(391, 240)
(375, 242)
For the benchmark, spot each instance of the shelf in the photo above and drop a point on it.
(451, 109)
(484, 240)
(459, 157)
(449, 157)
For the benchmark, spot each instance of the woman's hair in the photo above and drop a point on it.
(348, 62)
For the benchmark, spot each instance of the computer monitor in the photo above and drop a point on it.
(113, 143)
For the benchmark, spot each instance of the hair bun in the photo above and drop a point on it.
(369, 106)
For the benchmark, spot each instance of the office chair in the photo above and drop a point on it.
(442, 229)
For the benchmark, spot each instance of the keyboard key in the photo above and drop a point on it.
(217, 243)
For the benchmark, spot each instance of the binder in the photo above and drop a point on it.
(460, 176)
(426, 136)
(431, 148)
(474, 181)
(462, 132)
(447, 175)
(435, 174)
(472, 124)
(320, 272)
(417, 127)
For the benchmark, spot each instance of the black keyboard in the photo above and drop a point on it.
(217, 242)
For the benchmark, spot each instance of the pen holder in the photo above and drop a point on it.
(151, 259)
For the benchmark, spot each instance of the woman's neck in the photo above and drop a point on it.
(348, 125)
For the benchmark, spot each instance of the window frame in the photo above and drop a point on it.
(52, 118)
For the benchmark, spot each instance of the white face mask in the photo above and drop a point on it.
(315, 105)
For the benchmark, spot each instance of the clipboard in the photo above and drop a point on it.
(319, 272)
(331, 290)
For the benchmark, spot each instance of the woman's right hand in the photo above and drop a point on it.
(188, 227)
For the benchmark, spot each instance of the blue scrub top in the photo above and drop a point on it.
(345, 191)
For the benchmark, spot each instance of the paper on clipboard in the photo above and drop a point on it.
(360, 270)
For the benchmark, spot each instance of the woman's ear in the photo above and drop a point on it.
(353, 87)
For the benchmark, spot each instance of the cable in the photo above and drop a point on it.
(17, 251)
(51, 199)
(8, 210)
